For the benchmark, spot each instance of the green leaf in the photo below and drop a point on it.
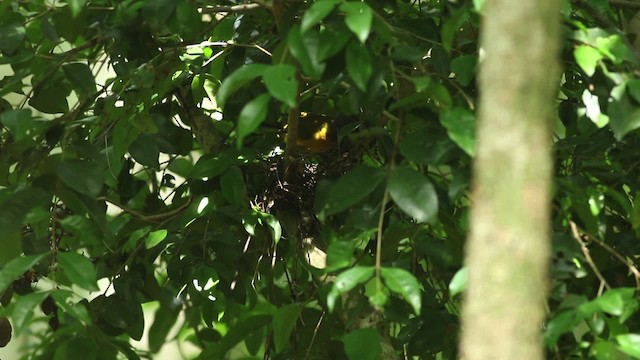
(624, 115)
(50, 100)
(16, 267)
(587, 58)
(633, 88)
(157, 12)
(614, 301)
(346, 281)
(164, 319)
(79, 270)
(154, 238)
(281, 83)
(91, 181)
(11, 37)
(316, 13)
(18, 122)
(559, 325)
(207, 167)
(81, 77)
(350, 189)
(76, 6)
(11, 246)
(232, 186)
(464, 67)
(284, 321)
(461, 127)
(362, 344)
(459, 282)
(252, 115)
(23, 313)
(274, 226)
(358, 18)
(359, 65)
(339, 255)
(15, 207)
(451, 25)
(413, 193)
(629, 344)
(82, 347)
(145, 151)
(306, 49)
(402, 282)
(238, 79)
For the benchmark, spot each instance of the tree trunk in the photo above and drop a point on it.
(507, 252)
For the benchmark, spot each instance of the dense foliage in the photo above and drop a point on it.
(142, 145)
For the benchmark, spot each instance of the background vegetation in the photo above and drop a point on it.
(206, 158)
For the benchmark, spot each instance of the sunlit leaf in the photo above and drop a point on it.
(281, 83)
(402, 282)
(347, 280)
(316, 13)
(358, 17)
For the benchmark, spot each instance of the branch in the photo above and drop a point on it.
(587, 254)
(625, 3)
(235, 8)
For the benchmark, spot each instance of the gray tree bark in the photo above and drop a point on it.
(508, 245)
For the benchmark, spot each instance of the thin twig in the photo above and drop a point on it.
(587, 255)
(313, 337)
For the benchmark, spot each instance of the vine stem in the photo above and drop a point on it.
(385, 199)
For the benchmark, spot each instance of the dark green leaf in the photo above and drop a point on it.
(306, 49)
(284, 321)
(358, 18)
(16, 268)
(18, 122)
(238, 79)
(11, 36)
(363, 344)
(413, 193)
(351, 189)
(207, 167)
(164, 319)
(81, 348)
(50, 100)
(452, 24)
(316, 13)
(157, 12)
(79, 270)
(232, 186)
(252, 115)
(281, 83)
(81, 77)
(82, 176)
(145, 151)
(359, 65)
